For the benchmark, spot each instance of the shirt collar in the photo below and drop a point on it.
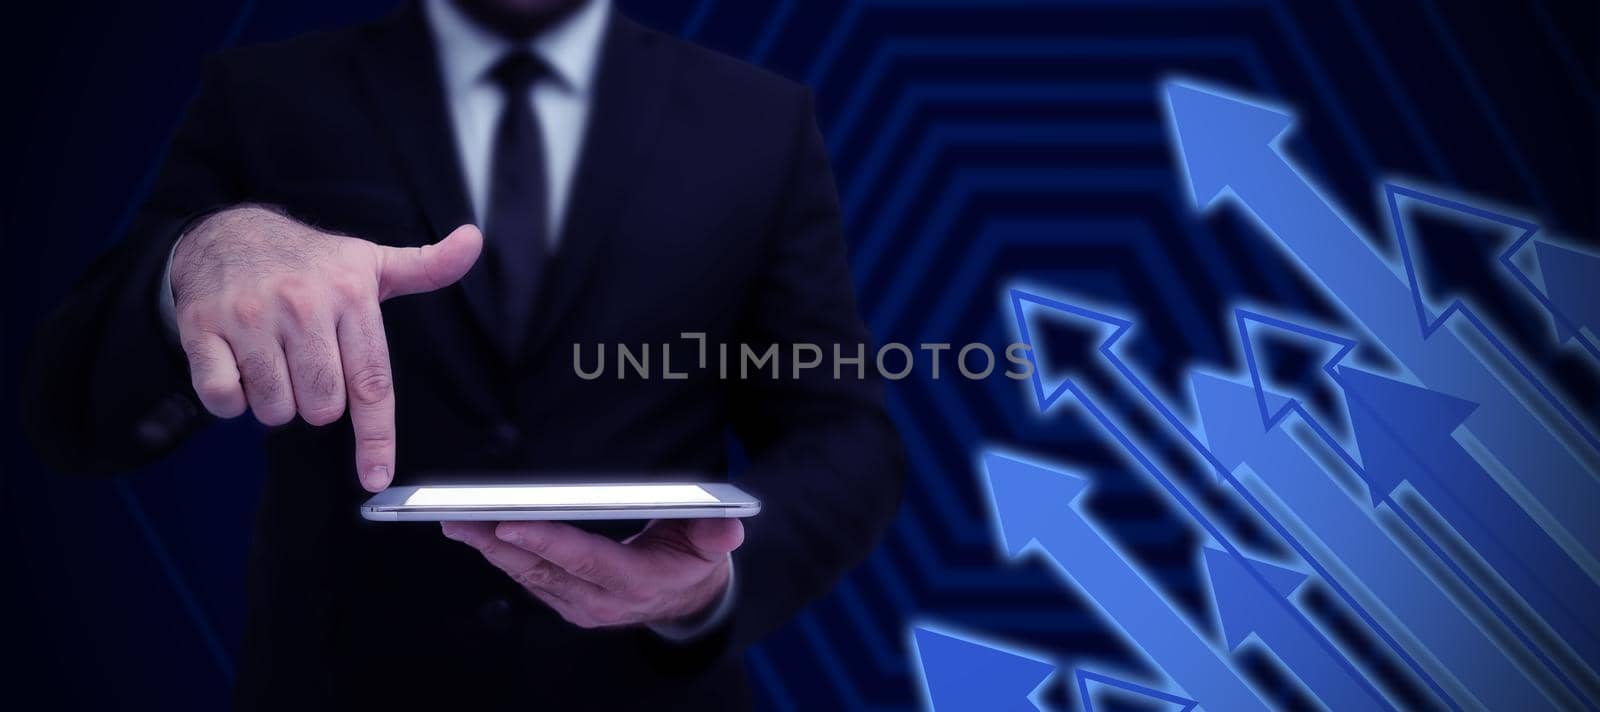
(467, 50)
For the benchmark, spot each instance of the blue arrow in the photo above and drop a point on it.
(1033, 508)
(1572, 279)
(1570, 298)
(1229, 148)
(966, 674)
(1272, 406)
(1088, 681)
(1415, 416)
(1369, 558)
(1244, 609)
(1563, 313)
(1404, 434)
(1024, 303)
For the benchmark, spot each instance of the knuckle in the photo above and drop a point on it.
(249, 311)
(374, 440)
(349, 287)
(263, 382)
(317, 376)
(586, 567)
(326, 381)
(371, 385)
(200, 313)
(300, 304)
(539, 574)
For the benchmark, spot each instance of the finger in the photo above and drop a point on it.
(315, 372)
(715, 538)
(214, 374)
(265, 375)
(369, 385)
(526, 568)
(413, 270)
(590, 557)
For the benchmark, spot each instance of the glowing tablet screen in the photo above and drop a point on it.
(559, 496)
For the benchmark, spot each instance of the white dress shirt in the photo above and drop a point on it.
(467, 53)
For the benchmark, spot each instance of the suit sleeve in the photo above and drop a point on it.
(823, 456)
(107, 386)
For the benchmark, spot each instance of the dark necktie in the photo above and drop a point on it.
(515, 227)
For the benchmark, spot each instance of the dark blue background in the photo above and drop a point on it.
(973, 143)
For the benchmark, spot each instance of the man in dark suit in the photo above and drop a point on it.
(631, 188)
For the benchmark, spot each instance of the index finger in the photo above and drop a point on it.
(369, 386)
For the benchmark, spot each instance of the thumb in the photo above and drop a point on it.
(716, 536)
(414, 270)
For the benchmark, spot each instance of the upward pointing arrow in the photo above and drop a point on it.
(1405, 434)
(1572, 279)
(1033, 507)
(1571, 295)
(1245, 610)
(1571, 273)
(1034, 313)
(1091, 682)
(1395, 196)
(966, 674)
(1217, 133)
(1113, 328)
(1367, 557)
(1251, 325)
(1275, 407)
(1392, 419)
(1028, 500)
(1238, 605)
(1229, 149)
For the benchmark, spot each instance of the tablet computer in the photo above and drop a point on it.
(563, 501)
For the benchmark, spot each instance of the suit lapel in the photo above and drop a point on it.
(400, 69)
(624, 123)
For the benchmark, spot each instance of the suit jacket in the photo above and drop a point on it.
(703, 202)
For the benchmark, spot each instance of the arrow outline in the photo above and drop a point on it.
(1391, 191)
(1186, 430)
(1174, 493)
(1279, 124)
(1293, 405)
(1083, 676)
(1033, 546)
(1487, 210)
(950, 631)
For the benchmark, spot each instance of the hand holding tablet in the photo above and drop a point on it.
(675, 569)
